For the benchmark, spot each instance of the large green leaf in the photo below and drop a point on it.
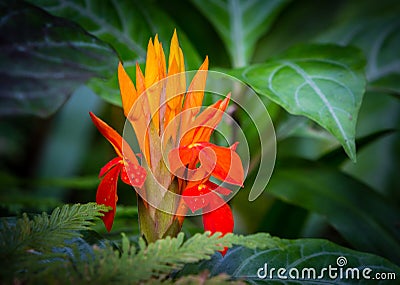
(322, 82)
(362, 216)
(127, 26)
(240, 23)
(44, 58)
(305, 255)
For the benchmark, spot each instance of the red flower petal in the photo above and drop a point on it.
(109, 133)
(219, 220)
(107, 195)
(197, 197)
(109, 165)
(115, 139)
(216, 188)
(223, 163)
(133, 174)
(183, 157)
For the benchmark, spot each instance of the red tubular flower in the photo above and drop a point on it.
(126, 166)
(222, 163)
(204, 195)
(217, 215)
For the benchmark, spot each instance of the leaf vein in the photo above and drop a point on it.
(338, 83)
(117, 33)
(321, 95)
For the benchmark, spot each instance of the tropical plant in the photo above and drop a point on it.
(313, 104)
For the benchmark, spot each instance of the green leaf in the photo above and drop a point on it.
(302, 254)
(363, 217)
(43, 59)
(241, 23)
(322, 82)
(127, 26)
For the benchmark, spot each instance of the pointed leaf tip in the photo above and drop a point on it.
(328, 86)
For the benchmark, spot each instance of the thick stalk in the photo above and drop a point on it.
(157, 223)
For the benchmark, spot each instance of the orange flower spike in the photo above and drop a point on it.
(152, 76)
(161, 58)
(182, 61)
(144, 116)
(174, 98)
(209, 119)
(162, 71)
(194, 96)
(204, 124)
(176, 52)
(140, 125)
(140, 80)
(128, 90)
(151, 69)
(176, 84)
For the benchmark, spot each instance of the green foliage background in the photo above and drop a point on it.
(327, 71)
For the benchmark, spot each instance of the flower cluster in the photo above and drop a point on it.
(174, 138)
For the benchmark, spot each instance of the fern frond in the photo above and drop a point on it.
(255, 241)
(44, 231)
(159, 259)
(29, 245)
(65, 222)
(26, 241)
